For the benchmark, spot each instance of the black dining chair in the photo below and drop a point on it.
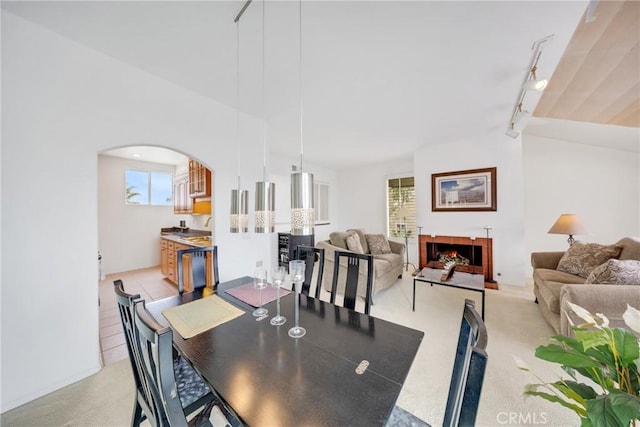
(198, 267)
(352, 280)
(153, 348)
(308, 254)
(194, 392)
(467, 378)
(468, 369)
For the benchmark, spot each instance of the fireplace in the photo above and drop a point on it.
(470, 255)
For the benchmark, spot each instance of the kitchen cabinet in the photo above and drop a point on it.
(169, 263)
(182, 202)
(199, 180)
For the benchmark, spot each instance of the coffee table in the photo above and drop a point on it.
(471, 282)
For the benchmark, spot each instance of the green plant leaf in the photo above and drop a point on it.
(613, 410)
(575, 390)
(590, 337)
(567, 357)
(626, 406)
(557, 399)
(627, 345)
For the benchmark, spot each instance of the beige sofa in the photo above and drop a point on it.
(387, 268)
(554, 289)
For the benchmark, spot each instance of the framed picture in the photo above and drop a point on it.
(469, 190)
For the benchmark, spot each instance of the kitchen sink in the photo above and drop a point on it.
(199, 239)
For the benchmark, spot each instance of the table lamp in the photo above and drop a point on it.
(568, 224)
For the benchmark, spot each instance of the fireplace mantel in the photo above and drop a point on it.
(486, 245)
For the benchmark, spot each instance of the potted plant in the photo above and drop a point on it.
(608, 358)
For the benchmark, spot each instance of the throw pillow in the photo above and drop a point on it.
(616, 272)
(353, 243)
(582, 258)
(339, 238)
(378, 243)
(363, 240)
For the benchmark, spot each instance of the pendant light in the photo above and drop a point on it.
(302, 213)
(265, 201)
(239, 221)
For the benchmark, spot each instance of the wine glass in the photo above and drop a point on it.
(296, 270)
(278, 281)
(260, 282)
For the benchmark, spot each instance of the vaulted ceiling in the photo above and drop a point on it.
(598, 78)
(380, 78)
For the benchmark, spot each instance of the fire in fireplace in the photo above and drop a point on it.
(468, 258)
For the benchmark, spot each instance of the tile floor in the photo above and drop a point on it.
(149, 283)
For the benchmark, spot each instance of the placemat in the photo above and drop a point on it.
(250, 295)
(198, 316)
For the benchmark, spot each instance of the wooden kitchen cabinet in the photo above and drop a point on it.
(169, 264)
(182, 202)
(199, 180)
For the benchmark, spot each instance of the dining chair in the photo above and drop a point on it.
(308, 254)
(469, 366)
(466, 380)
(352, 279)
(198, 267)
(193, 391)
(153, 348)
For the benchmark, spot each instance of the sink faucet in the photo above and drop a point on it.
(206, 224)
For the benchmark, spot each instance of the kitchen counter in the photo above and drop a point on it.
(186, 236)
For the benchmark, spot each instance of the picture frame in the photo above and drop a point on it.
(464, 191)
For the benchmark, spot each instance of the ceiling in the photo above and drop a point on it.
(381, 78)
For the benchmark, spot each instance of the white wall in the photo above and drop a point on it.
(507, 222)
(600, 185)
(62, 105)
(128, 235)
(361, 196)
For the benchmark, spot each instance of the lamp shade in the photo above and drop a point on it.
(302, 213)
(265, 207)
(568, 224)
(239, 211)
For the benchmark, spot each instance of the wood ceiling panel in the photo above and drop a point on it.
(598, 78)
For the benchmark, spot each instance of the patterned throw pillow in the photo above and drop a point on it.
(353, 244)
(582, 258)
(616, 272)
(378, 244)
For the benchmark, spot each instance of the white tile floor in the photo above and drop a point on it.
(149, 283)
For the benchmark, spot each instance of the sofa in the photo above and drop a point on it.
(599, 278)
(387, 260)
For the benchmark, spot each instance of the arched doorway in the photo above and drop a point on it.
(138, 188)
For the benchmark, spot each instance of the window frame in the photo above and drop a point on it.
(410, 224)
(149, 190)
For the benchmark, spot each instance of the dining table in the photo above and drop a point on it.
(347, 370)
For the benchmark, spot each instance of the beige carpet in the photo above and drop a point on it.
(514, 325)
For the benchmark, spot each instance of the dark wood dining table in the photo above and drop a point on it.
(271, 379)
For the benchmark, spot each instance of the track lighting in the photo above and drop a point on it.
(535, 83)
(519, 116)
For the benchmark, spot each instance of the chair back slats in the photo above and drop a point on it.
(308, 254)
(468, 369)
(352, 279)
(153, 345)
(198, 267)
(125, 302)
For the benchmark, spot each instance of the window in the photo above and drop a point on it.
(401, 207)
(321, 202)
(149, 188)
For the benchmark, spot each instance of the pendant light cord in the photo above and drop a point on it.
(238, 102)
(301, 94)
(264, 109)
